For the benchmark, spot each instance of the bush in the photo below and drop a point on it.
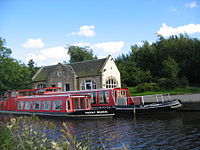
(183, 82)
(144, 87)
(6, 138)
(29, 133)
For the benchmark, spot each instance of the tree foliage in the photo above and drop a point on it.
(170, 62)
(78, 54)
(4, 52)
(13, 74)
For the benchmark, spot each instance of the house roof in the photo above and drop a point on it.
(88, 68)
(42, 73)
(81, 69)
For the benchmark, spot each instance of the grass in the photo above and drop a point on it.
(176, 91)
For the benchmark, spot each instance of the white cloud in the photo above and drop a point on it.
(166, 30)
(172, 9)
(85, 30)
(82, 44)
(110, 47)
(58, 52)
(192, 4)
(33, 43)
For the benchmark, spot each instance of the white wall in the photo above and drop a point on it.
(110, 70)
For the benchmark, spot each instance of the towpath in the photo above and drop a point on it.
(191, 102)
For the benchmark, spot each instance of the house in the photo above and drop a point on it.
(92, 74)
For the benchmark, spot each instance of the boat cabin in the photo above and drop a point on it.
(102, 97)
(45, 103)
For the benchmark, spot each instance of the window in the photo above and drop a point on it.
(82, 103)
(93, 97)
(46, 105)
(59, 74)
(103, 97)
(68, 105)
(20, 105)
(40, 86)
(79, 103)
(87, 103)
(57, 105)
(36, 105)
(27, 105)
(67, 87)
(76, 103)
(88, 84)
(111, 83)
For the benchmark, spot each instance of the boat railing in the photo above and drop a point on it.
(147, 99)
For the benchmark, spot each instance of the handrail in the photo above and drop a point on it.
(156, 98)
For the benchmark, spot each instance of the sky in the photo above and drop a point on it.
(43, 29)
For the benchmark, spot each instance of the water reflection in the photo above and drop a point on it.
(174, 131)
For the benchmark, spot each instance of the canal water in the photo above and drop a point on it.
(173, 131)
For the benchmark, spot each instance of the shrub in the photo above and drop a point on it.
(146, 87)
(29, 133)
(6, 138)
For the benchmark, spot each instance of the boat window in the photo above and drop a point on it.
(28, 105)
(68, 105)
(76, 103)
(36, 105)
(82, 103)
(103, 97)
(87, 103)
(57, 105)
(79, 103)
(20, 104)
(46, 105)
(121, 97)
(93, 97)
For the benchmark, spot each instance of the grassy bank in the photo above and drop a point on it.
(170, 91)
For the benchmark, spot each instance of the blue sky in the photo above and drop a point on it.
(41, 29)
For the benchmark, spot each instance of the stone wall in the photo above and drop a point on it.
(60, 76)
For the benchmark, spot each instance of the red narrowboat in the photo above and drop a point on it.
(29, 102)
(123, 102)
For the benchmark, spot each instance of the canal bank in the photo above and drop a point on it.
(191, 102)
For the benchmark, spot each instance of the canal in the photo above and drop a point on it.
(175, 131)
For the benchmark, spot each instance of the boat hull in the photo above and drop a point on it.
(82, 114)
(155, 108)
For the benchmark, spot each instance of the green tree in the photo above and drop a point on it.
(170, 61)
(13, 74)
(32, 67)
(170, 68)
(78, 54)
(4, 52)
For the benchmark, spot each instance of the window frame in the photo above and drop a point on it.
(20, 105)
(34, 105)
(43, 105)
(54, 105)
(111, 83)
(103, 97)
(28, 103)
(88, 83)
